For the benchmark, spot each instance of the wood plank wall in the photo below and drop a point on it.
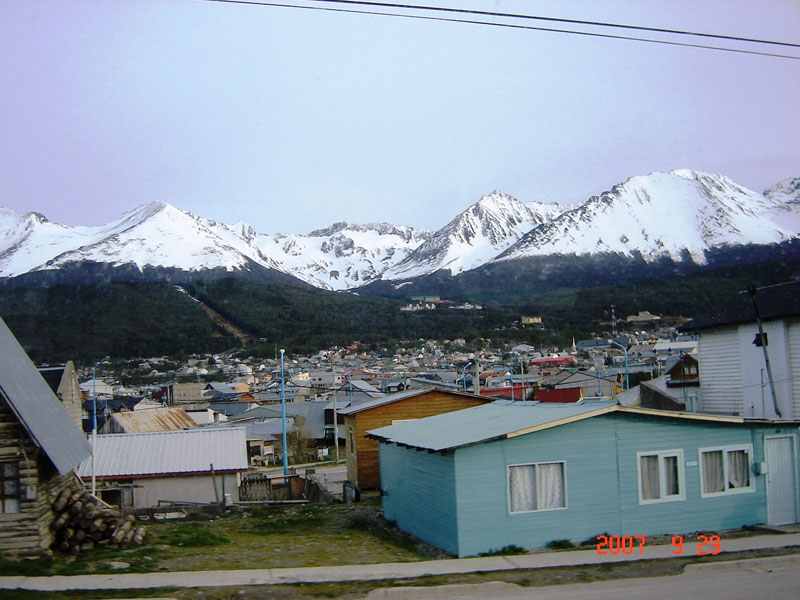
(27, 533)
(363, 467)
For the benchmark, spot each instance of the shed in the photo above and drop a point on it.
(154, 419)
(39, 446)
(142, 470)
(362, 452)
(525, 474)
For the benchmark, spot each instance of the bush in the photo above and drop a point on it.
(560, 545)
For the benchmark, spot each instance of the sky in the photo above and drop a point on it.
(292, 119)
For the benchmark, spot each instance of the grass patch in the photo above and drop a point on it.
(509, 550)
(560, 545)
(195, 536)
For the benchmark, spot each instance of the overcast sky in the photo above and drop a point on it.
(292, 119)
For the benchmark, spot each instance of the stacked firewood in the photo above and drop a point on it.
(84, 522)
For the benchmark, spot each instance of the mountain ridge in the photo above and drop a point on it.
(677, 215)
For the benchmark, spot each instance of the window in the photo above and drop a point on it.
(660, 476)
(9, 487)
(537, 486)
(352, 438)
(725, 470)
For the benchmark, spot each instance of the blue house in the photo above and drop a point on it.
(526, 473)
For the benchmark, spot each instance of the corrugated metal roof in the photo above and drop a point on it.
(400, 396)
(153, 419)
(511, 419)
(37, 407)
(168, 452)
(483, 423)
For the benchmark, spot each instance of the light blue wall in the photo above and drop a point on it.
(602, 491)
(637, 434)
(419, 494)
(484, 522)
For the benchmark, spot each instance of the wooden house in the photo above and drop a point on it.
(734, 378)
(526, 474)
(40, 445)
(362, 452)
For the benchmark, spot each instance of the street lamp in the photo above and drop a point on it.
(464, 374)
(625, 350)
(283, 420)
(94, 421)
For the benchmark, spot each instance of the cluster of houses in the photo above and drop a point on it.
(628, 435)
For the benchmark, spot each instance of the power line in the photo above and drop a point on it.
(526, 27)
(555, 20)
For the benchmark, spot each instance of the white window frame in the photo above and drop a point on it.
(662, 454)
(563, 464)
(725, 449)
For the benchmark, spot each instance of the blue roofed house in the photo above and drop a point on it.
(39, 447)
(526, 473)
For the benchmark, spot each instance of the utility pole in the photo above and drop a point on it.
(335, 415)
(283, 422)
(752, 291)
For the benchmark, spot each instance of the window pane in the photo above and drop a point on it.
(551, 486)
(522, 488)
(713, 478)
(738, 469)
(671, 476)
(651, 487)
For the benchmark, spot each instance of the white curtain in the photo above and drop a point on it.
(738, 469)
(713, 478)
(551, 485)
(522, 487)
(651, 487)
(671, 485)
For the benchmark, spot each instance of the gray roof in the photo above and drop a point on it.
(506, 419)
(37, 407)
(168, 453)
(401, 396)
(483, 423)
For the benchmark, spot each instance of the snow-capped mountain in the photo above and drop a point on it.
(342, 256)
(661, 215)
(652, 217)
(162, 236)
(475, 236)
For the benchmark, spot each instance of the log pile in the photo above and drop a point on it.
(83, 522)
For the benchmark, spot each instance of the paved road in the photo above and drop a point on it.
(768, 578)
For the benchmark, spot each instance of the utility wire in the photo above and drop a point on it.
(553, 20)
(522, 27)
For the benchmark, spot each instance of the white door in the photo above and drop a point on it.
(781, 480)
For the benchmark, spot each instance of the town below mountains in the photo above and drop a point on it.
(161, 281)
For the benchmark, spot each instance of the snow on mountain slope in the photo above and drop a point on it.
(785, 195)
(342, 256)
(161, 235)
(661, 214)
(475, 236)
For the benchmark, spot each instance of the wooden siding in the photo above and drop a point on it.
(590, 469)
(794, 365)
(694, 513)
(720, 374)
(601, 483)
(363, 465)
(427, 508)
(27, 533)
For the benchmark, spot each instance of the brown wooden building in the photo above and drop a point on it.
(363, 468)
(40, 445)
